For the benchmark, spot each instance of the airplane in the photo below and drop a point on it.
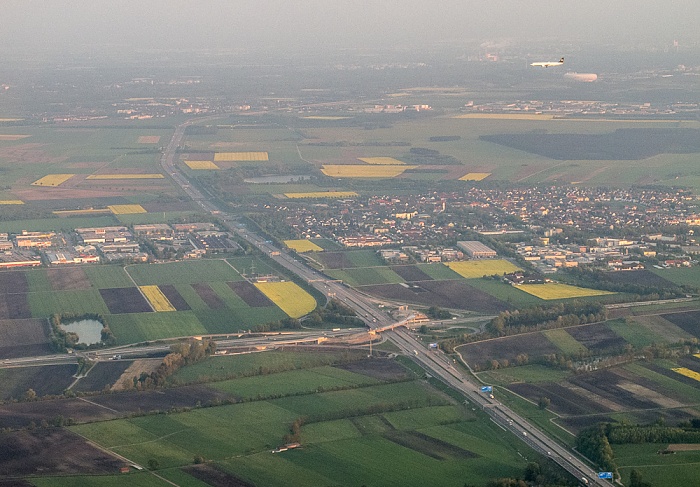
(548, 64)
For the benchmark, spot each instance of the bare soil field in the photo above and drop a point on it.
(575, 424)
(382, 369)
(411, 273)
(13, 282)
(673, 375)
(335, 260)
(208, 295)
(597, 337)
(606, 383)
(647, 278)
(532, 344)
(688, 321)
(427, 445)
(68, 278)
(683, 447)
(30, 153)
(103, 407)
(211, 475)
(455, 294)
(160, 400)
(174, 297)
(52, 451)
(102, 376)
(563, 400)
(250, 294)
(135, 369)
(48, 380)
(14, 307)
(125, 300)
(23, 338)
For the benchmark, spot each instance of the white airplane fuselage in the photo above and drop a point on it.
(548, 63)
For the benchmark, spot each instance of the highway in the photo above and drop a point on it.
(433, 361)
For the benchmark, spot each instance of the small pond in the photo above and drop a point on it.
(88, 331)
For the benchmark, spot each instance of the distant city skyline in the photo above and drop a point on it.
(29, 25)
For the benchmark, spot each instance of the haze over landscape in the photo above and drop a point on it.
(349, 243)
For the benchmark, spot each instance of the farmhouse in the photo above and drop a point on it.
(476, 250)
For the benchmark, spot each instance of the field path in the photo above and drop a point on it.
(139, 288)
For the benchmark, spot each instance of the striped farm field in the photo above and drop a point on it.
(52, 180)
(303, 245)
(12, 137)
(687, 372)
(157, 299)
(471, 269)
(507, 116)
(291, 299)
(475, 176)
(126, 209)
(11, 202)
(364, 170)
(381, 161)
(148, 139)
(89, 211)
(241, 156)
(126, 176)
(553, 290)
(322, 194)
(201, 165)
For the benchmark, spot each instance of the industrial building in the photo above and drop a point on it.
(476, 250)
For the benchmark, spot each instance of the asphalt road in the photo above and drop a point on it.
(435, 362)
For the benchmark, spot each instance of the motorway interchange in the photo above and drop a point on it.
(435, 362)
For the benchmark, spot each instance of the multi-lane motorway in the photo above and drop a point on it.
(437, 363)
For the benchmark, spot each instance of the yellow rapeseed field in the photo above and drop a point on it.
(322, 194)
(553, 290)
(197, 165)
(364, 170)
(302, 245)
(292, 299)
(11, 202)
(12, 137)
(472, 269)
(126, 176)
(52, 180)
(241, 156)
(381, 161)
(126, 209)
(688, 373)
(157, 299)
(475, 176)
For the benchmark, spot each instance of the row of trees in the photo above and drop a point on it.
(181, 354)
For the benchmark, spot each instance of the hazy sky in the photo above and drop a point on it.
(343, 23)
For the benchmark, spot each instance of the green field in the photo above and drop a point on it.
(681, 468)
(76, 302)
(689, 276)
(195, 271)
(141, 327)
(364, 258)
(293, 382)
(505, 292)
(56, 224)
(365, 276)
(439, 272)
(141, 479)
(426, 439)
(227, 366)
(563, 341)
(636, 333)
(107, 276)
